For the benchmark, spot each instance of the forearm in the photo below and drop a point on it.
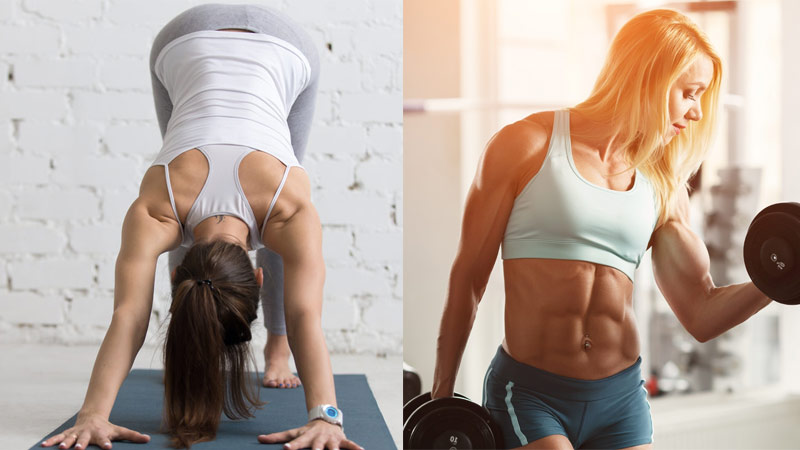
(114, 360)
(725, 307)
(313, 361)
(457, 319)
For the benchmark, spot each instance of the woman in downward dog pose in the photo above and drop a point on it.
(575, 197)
(234, 90)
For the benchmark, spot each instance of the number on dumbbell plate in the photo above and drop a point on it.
(774, 259)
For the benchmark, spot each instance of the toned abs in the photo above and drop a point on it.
(572, 318)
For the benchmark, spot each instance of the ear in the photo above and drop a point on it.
(172, 274)
(259, 272)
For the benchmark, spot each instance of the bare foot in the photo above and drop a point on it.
(276, 357)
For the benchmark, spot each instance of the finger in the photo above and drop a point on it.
(105, 443)
(319, 443)
(52, 440)
(282, 436)
(347, 443)
(68, 441)
(83, 440)
(301, 441)
(134, 436)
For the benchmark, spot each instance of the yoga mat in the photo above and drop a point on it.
(141, 399)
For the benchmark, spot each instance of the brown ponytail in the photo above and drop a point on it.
(214, 301)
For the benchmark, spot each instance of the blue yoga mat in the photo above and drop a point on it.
(141, 399)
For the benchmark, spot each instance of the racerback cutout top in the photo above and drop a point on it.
(231, 94)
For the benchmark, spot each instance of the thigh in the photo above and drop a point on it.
(555, 442)
(524, 418)
(623, 422)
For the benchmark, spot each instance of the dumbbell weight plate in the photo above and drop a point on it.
(448, 423)
(791, 208)
(771, 252)
(418, 401)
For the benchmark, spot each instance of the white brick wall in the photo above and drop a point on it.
(30, 238)
(59, 72)
(59, 10)
(22, 308)
(58, 204)
(55, 139)
(78, 131)
(29, 39)
(41, 275)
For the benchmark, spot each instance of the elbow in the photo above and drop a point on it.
(703, 333)
(705, 325)
(701, 337)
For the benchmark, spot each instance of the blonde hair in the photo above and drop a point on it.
(631, 93)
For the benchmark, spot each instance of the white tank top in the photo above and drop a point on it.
(231, 94)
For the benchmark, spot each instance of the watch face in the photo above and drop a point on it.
(331, 412)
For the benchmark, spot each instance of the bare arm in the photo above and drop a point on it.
(297, 237)
(143, 239)
(681, 267)
(508, 160)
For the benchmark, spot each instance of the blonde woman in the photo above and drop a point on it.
(575, 197)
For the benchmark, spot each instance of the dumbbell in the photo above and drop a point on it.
(412, 383)
(772, 252)
(448, 423)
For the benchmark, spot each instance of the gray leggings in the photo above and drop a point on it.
(257, 19)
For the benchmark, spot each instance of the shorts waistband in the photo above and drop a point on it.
(566, 388)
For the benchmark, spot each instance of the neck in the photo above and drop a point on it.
(225, 228)
(596, 135)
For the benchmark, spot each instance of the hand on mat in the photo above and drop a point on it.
(316, 434)
(97, 430)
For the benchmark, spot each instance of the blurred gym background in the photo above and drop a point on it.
(472, 66)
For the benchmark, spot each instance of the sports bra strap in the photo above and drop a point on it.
(172, 198)
(275, 198)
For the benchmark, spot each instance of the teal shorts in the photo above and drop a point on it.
(529, 404)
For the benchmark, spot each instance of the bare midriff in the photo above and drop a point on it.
(571, 318)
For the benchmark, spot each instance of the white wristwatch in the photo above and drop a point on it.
(328, 413)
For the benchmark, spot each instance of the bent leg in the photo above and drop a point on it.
(272, 291)
(175, 258)
(276, 353)
(302, 111)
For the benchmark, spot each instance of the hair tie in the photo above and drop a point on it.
(207, 282)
